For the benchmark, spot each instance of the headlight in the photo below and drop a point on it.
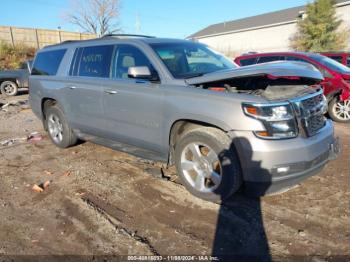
(278, 119)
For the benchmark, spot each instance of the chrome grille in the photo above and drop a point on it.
(310, 111)
(314, 123)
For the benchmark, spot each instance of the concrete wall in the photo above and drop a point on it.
(38, 37)
(267, 39)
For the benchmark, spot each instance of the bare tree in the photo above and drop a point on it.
(98, 17)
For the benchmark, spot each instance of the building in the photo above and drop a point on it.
(262, 33)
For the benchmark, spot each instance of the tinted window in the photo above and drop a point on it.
(128, 56)
(47, 63)
(249, 61)
(348, 61)
(95, 61)
(339, 59)
(186, 60)
(266, 59)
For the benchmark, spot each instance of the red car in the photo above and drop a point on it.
(341, 57)
(336, 83)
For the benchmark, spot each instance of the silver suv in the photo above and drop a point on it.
(259, 128)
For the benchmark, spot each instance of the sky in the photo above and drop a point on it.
(162, 18)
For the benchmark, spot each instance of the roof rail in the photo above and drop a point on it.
(127, 36)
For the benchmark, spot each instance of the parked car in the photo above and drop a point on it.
(225, 128)
(340, 57)
(12, 80)
(336, 83)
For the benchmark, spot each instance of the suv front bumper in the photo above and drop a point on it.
(272, 166)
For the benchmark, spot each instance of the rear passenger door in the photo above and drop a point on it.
(84, 89)
(133, 108)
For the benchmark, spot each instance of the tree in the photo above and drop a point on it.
(318, 29)
(98, 17)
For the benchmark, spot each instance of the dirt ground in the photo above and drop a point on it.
(103, 202)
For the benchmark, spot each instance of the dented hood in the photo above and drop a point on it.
(273, 69)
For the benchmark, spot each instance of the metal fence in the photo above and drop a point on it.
(38, 37)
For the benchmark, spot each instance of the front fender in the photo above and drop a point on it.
(345, 95)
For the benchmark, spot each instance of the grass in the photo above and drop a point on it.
(11, 57)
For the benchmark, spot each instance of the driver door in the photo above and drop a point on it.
(133, 108)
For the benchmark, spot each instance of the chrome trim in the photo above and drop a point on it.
(305, 97)
(304, 115)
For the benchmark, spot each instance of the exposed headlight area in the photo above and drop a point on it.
(278, 119)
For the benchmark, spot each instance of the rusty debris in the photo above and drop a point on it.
(48, 173)
(31, 138)
(67, 173)
(34, 137)
(37, 188)
(40, 188)
(23, 104)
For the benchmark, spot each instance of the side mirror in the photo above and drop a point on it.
(142, 72)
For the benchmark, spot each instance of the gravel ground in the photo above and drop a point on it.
(103, 202)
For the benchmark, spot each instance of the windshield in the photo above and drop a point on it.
(187, 60)
(331, 64)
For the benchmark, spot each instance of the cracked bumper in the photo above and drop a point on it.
(272, 166)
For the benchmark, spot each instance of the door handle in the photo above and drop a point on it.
(111, 92)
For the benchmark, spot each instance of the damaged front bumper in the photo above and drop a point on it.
(270, 167)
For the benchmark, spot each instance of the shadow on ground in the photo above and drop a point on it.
(243, 238)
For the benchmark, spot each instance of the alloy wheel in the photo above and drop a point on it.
(342, 110)
(55, 128)
(201, 167)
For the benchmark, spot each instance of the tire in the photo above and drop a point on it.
(339, 111)
(213, 173)
(58, 128)
(9, 88)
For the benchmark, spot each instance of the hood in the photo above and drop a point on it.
(273, 69)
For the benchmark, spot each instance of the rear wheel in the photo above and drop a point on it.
(207, 164)
(9, 88)
(59, 131)
(339, 111)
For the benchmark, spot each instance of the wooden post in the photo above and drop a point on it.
(37, 39)
(12, 40)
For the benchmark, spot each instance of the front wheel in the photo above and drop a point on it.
(9, 88)
(339, 111)
(207, 164)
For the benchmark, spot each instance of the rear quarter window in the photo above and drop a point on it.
(47, 62)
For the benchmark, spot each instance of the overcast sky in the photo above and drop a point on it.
(175, 18)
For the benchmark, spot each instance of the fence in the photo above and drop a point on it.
(38, 37)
